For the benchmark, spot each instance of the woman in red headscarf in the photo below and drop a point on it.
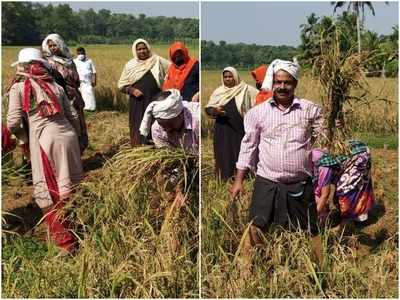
(41, 106)
(183, 73)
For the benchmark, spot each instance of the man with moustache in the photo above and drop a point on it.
(279, 134)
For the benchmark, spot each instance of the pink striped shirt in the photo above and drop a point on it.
(281, 139)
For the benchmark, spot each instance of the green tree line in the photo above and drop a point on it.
(27, 23)
(381, 51)
(242, 56)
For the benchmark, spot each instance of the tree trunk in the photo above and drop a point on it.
(383, 72)
(358, 34)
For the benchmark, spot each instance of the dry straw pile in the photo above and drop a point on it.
(340, 72)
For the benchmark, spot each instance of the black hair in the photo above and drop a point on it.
(162, 95)
(80, 49)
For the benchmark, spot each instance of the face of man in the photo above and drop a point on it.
(283, 86)
(172, 125)
(229, 80)
(142, 51)
(53, 47)
(178, 58)
(81, 54)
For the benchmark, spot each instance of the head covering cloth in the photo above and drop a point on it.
(243, 93)
(292, 68)
(167, 108)
(36, 87)
(136, 68)
(259, 73)
(65, 58)
(33, 70)
(177, 75)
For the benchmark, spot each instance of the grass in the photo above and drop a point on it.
(340, 72)
(381, 103)
(131, 243)
(126, 235)
(388, 141)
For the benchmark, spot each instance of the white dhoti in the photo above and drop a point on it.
(86, 71)
(87, 92)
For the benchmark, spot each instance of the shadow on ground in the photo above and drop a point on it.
(359, 232)
(22, 219)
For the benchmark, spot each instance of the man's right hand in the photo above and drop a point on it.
(236, 189)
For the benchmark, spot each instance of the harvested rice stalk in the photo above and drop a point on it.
(338, 71)
(141, 164)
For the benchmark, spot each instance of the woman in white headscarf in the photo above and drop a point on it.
(57, 54)
(227, 105)
(141, 79)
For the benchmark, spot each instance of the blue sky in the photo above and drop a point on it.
(261, 22)
(277, 23)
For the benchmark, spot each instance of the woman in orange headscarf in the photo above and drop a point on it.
(183, 73)
(259, 75)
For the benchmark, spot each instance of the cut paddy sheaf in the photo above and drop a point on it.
(341, 76)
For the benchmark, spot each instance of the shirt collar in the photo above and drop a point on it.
(295, 104)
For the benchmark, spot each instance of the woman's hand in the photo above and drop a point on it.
(321, 206)
(136, 92)
(219, 111)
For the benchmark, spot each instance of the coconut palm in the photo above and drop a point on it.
(358, 8)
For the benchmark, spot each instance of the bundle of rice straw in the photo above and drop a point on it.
(338, 71)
